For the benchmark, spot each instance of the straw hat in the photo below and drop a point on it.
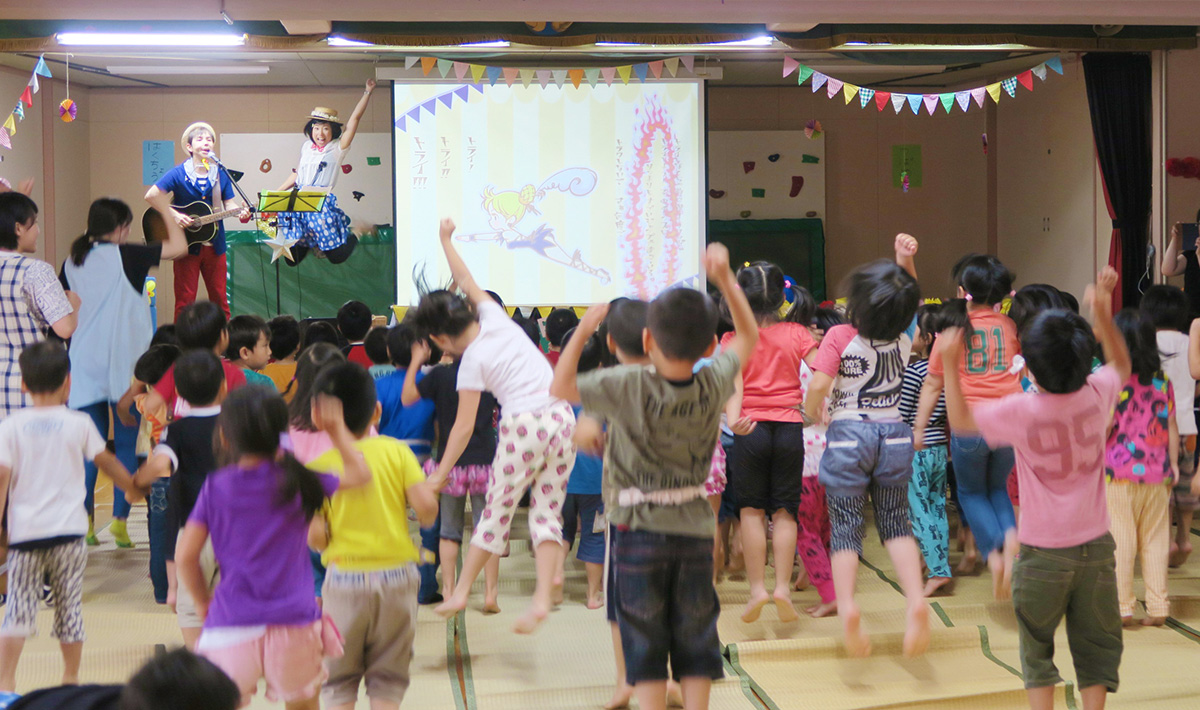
(328, 115)
(183, 140)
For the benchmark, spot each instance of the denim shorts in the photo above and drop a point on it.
(666, 606)
(858, 454)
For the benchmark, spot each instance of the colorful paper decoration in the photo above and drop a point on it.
(4, 139)
(27, 96)
(42, 70)
(812, 129)
(1026, 79)
(67, 110)
(789, 65)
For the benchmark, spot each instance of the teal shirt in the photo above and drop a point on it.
(257, 378)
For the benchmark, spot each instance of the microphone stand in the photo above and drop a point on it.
(246, 200)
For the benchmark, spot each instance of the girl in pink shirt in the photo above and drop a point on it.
(768, 443)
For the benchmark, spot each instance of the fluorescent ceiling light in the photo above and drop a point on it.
(496, 43)
(186, 70)
(760, 41)
(344, 42)
(148, 39)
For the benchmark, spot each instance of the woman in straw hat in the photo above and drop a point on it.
(328, 231)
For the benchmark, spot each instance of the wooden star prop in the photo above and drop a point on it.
(281, 246)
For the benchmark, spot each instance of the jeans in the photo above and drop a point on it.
(982, 475)
(125, 441)
(157, 519)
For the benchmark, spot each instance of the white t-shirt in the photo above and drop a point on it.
(319, 168)
(504, 361)
(45, 447)
(868, 375)
(1174, 348)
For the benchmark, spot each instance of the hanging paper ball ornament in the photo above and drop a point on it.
(904, 180)
(67, 110)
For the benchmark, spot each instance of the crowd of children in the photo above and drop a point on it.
(280, 464)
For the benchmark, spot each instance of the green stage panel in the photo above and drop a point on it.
(796, 245)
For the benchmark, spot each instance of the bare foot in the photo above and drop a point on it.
(1179, 555)
(916, 636)
(1154, 621)
(939, 585)
(528, 622)
(622, 694)
(754, 608)
(595, 602)
(969, 562)
(674, 695)
(801, 581)
(783, 604)
(1128, 622)
(996, 565)
(857, 643)
(70, 680)
(822, 610)
(491, 606)
(450, 606)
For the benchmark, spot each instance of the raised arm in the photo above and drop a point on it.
(1173, 261)
(458, 268)
(565, 384)
(745, 326)
(410, 395)
(906, 250)
(356, 116)
(1116, 353)
(328, 416)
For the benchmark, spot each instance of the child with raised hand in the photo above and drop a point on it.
(535, 447)
(987, 374)
(263, 620)
(250, 348)
(1066, 565)
(860, 366)
(662, 428)
(42, 450)
(1142, 466)
(768, 445)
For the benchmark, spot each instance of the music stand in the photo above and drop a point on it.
(294, 200)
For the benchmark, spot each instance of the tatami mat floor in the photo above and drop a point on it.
(475, 662)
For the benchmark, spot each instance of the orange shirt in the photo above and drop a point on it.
(771, 378)
(281, 373)
(988, 352)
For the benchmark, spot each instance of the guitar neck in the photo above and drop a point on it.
(217, 216)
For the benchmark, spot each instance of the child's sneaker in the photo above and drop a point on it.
(92, 541)
(120, 534)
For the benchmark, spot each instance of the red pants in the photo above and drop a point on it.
(187, 277)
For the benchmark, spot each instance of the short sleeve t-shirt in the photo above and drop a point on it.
(868, 375)
(189, 444)
(234, 377)
(266, 571)
(502, 360)
(771, 377)
(987, 370)
(412, 424)
(1174, 348)
(185, 191)
(438, 385)
(1138, 444)
(1059, 441)
(910, 400)
(661, 436)
(588, 473)
(368, 525)
(45, 447)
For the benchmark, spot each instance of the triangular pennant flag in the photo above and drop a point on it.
(510, 75)
(463, 92)
(33, 81)
(882, 98)
(430, 106)
(1026, 79)
(415, 114)
(10, 125)
(592, 75)
(410, 61)
(460, 70)
(689, 62)
(978, 95)
(543, 77)
(625, 72)
(42, 70)
(493, 74)
(512, 310)
(400, 123)
(477, 71)
(640, 71)
(832, 87)
(443, 66)
(19, 111)
(947, 101)
(656, 69)
(849, 91)
(560, 75)
(580, 310)
(865, 96)
(819, 80)
(672, 65)
(1010, 86)
(27, 96)
(447, 98)
(964, 99)
(803, 74)
(789, 65)
(1055, 64)
(1040, 71)
(427, 64)
(898, 101)
(576, 77)
(609, 73)
(994, 91)
(4, 140)
(914, 102)
(526, 76)
(931, 101)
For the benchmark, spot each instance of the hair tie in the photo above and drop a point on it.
(787, 283)
(1012, 293)
(969, 297)
(998, 307)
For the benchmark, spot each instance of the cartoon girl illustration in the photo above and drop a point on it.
(506, 209)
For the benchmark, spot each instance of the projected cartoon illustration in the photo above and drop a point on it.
(506, 212)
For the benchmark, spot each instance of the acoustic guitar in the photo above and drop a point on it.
(202, 230)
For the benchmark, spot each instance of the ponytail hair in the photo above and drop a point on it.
(767, 290)
(105, 216)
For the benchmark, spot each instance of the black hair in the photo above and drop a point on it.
(376, 345)
(1032, 299)
(558, 324)
(930, 318)
(320, 332)
(15, 208)
(44, 366)
(1072, 302)
(626, 320)
(881, 299)
(441, 312)
(198, 377)
(766, 289)
(335, 128)
(354, 320)
(593, 353)
(1058, 347)
(251, 422)
(683, 322)
(827, 317)
(308, 366)
(200, 325)
(1142, 342)
(400, 339)
(105, 216)
(244, 332)
(179, 679)
(984, 278)
(532, 331)
(165, 335)
(285, 336)
(155, 362)
(355, 387)
(496, 297)
(1167, 308)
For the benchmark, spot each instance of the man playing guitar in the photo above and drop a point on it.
(192, 181)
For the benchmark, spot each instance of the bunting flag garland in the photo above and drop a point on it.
(832, 86)
(803, 74)
(477, 71)
(609, 73)
(443, 67)
(625, 72)
(882, 98)
(33, 86)
(672, 65)
(931, 101)
(656, 69)
(560, 75)
(27, 96)
(427, 64)
(818, 80)
(576, 77)
(10, 125)
(1055, 65)
(994, 91)
(416, 113)
(789, 65)
(865, 96)
(42, 70)
(1010, 86)
(526, 76)
(493, 73)
(849, 91)
(510, 75)
(964, 99)
(410, 61)
(1040, 72)
(19, 111)
(898, 101)
(592, 75)
(978, 95)
(1026, 79)
(4, 140)
(914, 102)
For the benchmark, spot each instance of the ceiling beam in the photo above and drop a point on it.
(307, 27)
